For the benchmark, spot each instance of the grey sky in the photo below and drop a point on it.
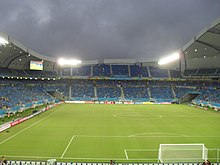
(99, 29)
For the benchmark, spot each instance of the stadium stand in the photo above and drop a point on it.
(174, 73)
(161, 94)
(82, 92)
(6, 72)
(157, 72)
(190, 72)
(13, 96)
(120, 70)
(208, 96)
(136, 93)
(66, 72)
(182, 91)
(101, 70)
(82, 71)
(135, 71)
(108, 93)
(206, 72)
(145, 72)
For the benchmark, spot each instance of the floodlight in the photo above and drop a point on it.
(70, 62)
(3, 41)
(171, 58)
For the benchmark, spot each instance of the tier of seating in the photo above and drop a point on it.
(82, 91)
(161, 94)
(157, 72)
(121, 71)
(101, 70)
(202, 72)
(4, 72)
(136, 93)
(107, 70)
(12, 95)
(209, 96)
(182, 91)
(95, 70)
(175, 73)
(109, 93)
(20, 92)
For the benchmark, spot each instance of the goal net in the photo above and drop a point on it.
(182, 153)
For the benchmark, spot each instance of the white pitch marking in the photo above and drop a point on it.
(139, 150)
(120, 115)
(29, 126)
(146, 136)
(67, 147)
(158, 134)
(126, 155)
(47, 157)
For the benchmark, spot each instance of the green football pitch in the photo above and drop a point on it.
(99, 133)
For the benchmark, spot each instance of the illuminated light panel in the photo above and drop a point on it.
(3, 41)
(171, 58)
(63, 62)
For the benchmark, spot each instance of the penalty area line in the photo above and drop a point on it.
(67, 146)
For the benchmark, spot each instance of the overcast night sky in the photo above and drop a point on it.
(103, 29)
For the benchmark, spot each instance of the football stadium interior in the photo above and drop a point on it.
(123, 110)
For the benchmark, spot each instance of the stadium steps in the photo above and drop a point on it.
(169, 75)
(216, 71)
(70, 91)
(56, 94)
(196, 71)
(149, 93)
(129, 71)
(148, 70)
(173, 92)
(111, 70)
(95, 92)
(91, 73)
(122, 93)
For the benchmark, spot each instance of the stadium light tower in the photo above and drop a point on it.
(70, 62)
(3, 41)
(168, 59)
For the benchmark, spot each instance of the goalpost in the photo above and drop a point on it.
(182, 153)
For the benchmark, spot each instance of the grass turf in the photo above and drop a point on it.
(125, 133)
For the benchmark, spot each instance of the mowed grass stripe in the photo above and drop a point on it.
(102, 136)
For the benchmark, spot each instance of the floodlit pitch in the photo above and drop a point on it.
(99, 133)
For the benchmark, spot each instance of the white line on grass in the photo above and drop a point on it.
(146, 136)
(72, 158)
(67, 146)
(130, 136)
(29, 126)
(140, 150)
(126, 155)
(159, 134)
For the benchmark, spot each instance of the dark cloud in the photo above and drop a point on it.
(99, 29)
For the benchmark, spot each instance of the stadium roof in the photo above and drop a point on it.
(203, 51)
(14, 55)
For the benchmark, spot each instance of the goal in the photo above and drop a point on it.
(182, 153)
